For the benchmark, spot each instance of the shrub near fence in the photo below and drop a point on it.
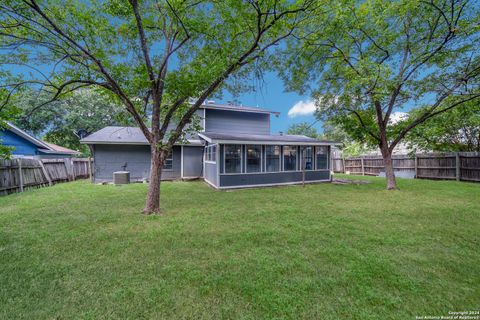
(18, 175)
(462, 166)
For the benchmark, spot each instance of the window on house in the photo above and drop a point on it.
(211, 153)
(233, 158)
(321, 156)
(254, 156)
(272, 158)
(168, 164)
(289, 158)
(307, 158)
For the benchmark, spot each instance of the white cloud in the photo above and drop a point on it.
(302, 108)
(398, 116)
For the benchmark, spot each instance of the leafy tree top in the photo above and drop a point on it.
(303, 128)
(144, 54)
(365, 60)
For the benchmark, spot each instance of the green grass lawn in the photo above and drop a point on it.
(77, 250)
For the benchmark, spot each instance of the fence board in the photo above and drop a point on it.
(463, 166)
(21, 174)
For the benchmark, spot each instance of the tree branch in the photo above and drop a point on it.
(143, 40)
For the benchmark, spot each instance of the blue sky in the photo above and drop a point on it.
(272, 96)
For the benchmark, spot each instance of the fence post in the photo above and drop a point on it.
(45, 173)
(90, 169)
(343, 164)
(72, 166)
(416, 166)
(457, 166)
(363, 166)
(20, 174)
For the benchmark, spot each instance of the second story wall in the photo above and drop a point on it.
(237, 122)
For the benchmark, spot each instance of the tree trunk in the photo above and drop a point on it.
(389, 173)
(152, 204)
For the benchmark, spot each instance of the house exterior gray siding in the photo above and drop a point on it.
(192, 161)
(210, 174)
(239, 122)
(133, 158)
(235, 138)
(258, 179)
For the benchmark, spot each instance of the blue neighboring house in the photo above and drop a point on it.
(234, 149)
(26, 146)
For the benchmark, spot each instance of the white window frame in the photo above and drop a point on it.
(169, 157)
(208, 149)
(302, 153)
(261, 158)
(241, 158)
(279, 169)
(296, 159)
(328, 158)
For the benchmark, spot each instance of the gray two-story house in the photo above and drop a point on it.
(233, 150)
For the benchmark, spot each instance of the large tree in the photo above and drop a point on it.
(65, 121)
(147, 53)
(365, 60)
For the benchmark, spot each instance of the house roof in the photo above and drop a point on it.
(123, 135)
(59, 149)
(26, 136)
(237, 138)
(44, 147)
(231, 107)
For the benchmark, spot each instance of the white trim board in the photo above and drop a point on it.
(272, 184)
(272, 172)
(266, 142)
(181, 161)
(193, 143)
(210, 183)
(282, 143)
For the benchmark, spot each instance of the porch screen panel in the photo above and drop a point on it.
(254, 156)
(307, 158)
(233, 158)
(272, 158)
(321, 154)
(289, 158)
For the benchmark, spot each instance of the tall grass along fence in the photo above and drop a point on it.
(461, 166)
(18, 175)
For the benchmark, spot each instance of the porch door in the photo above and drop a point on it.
(306, 162)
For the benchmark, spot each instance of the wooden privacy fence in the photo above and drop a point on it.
(18, 175)
(461, 166)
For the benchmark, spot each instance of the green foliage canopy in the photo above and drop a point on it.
(147, 54)
(455, 130)
(63, 121)
(304, 129)
(362, 61)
